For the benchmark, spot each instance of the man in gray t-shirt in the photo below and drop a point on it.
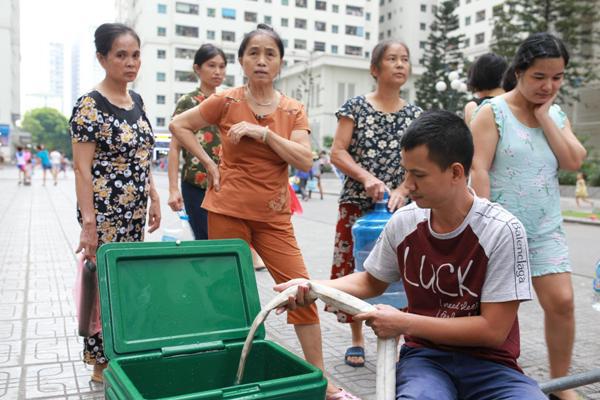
(464, 266)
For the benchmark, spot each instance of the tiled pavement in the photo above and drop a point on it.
(39, 347)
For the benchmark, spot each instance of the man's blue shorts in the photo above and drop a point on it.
(424, 373)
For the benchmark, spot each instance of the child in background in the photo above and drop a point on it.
(581, 193)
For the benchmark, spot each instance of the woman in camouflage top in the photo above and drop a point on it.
(209, 66)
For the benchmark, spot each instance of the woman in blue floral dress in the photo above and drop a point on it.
(521, 140)
(366, 148)
(112, 151)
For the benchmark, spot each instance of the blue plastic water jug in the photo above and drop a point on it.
(365, 232)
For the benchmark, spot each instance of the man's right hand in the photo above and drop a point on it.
(299, 300)
(175, 200)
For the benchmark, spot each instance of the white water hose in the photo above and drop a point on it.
(386, 348)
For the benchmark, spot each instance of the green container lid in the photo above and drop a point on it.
(163, 295)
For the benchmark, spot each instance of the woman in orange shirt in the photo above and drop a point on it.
(262, 132)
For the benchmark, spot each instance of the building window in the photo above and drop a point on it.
(210, 35)
(422, 45)
(301, 3)
(368, 16)
(389, 33)
(267, 20)
(433, 9)
(334, 49)
(161, 31)
(389, 16)
(185, 76)
(161, 54)
(321, 5)
(353, 10)
(300, 44)
(468, 20)
(334, 29)
(480, 16)
(380, 35)
(160, 121)
(381, 18)
(161, 99)
(320, 26)
(335, 8)
(285, 43)
(353, 50)
(381, 2)
(250, 16)
(284, 22)
(161, 77)
(211, 12)
(423, 26)
(368, 35)
(230, 58)
(467, 42)
(229, 80)
(319, 46)
(423, 7)
(162, 8)
(228, 36)
(480, 38)
(186, 8)
(180, 52)
(228, 13)
(354, 30)
(300, 23)
(187, 31)
(285, 2)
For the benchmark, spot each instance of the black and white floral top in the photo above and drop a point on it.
(375, 146)
(121, 165)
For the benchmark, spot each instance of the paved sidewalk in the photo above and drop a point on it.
(40, 352)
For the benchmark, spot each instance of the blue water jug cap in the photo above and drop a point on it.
(183, 216)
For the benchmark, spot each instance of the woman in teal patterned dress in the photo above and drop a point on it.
(521, 140)
(112, 147)
(209, 66)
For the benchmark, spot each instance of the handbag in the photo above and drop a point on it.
(87, 300)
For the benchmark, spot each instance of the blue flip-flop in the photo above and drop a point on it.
(355, 351)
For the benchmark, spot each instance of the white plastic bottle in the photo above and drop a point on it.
(178, 229)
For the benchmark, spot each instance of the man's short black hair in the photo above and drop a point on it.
(446, 136)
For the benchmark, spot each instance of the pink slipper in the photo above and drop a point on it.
(342, 395)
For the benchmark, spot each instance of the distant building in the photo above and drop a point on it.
(9, 72)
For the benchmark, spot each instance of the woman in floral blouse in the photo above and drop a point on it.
(112, 147)
(209, 66)
(366, 149)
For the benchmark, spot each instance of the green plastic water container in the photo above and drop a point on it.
(175, 317)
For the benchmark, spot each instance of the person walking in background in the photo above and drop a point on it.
(262, 133)
(315, 171)
(366, 149)
(44, 157)
(581, 192)
(303, 177)
(484, 79)
(112, 147)
(521, 140)
(64, 163)
(22, 166)
(209, 66)
(55, 160)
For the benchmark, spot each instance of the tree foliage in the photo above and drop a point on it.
(441, 56)
(49, 127)
(570, 20)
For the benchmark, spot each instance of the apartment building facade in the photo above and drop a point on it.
(171, 31)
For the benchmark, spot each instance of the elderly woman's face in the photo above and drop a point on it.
(261, 60)
(122, 62)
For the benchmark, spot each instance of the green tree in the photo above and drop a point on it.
(49, 127)
(571, 20)
(441, 56)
